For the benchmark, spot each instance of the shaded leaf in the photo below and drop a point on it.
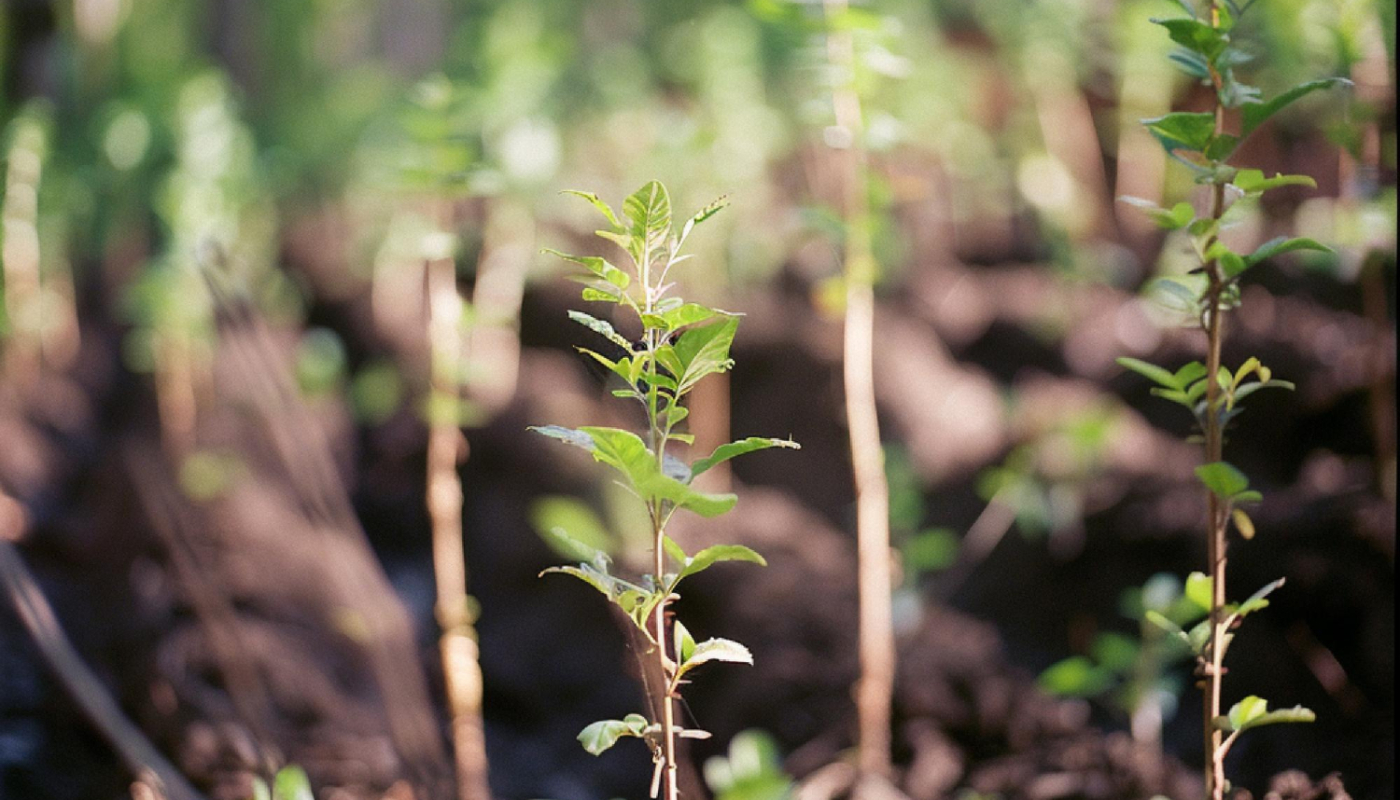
(1255, 114)
(1075, 676)
(603, 734)
(600, 327)
(1182, 130)
(1223, 479)
(733, 449)
(1150, 371)
(1283, 244)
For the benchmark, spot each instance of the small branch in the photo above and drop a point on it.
(37, 616)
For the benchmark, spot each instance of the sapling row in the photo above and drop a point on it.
(1204, 142)
(676, 345)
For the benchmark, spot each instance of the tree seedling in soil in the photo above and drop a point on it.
(1212, 392)
(679, 344)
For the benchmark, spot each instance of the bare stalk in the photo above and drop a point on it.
(875, 689)
(446, 449)
(1218, 514)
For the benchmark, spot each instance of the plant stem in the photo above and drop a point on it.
(446, 448)
(1217, 512)
(657, 434)
(875, 689)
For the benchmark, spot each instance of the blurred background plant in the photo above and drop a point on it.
(307, 155)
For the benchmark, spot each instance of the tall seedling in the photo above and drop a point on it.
(1211, 391)
(679, 345)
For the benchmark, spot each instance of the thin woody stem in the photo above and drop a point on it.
(1217, 512)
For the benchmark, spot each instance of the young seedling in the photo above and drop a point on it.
(1212, 392)
(679, 344)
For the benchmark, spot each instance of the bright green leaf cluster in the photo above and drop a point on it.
(679, 345)
(1188, 385)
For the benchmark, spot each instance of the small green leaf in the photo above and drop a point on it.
(717, 650)
(733, 449)
(714, 554)
(685, 643)
(704, 350)
(649, 210)
(1252, 181)
(603, 734)
(611, 587)
(597, 265)
(1150, 371)
(1190, 62)
(291, 783)
(567, 435)
(1222, 479)
(1179, 216)
(1198, 590)
(1283, 244)
(1253, 712)
(703, 214)
(1255, 114)
(600, 327)
(1258, 601)
(675, 551)
(1243, 523)
(1115, 652)
(1075, 676)
(598, 204)
(1196, 36)
(1160, 620)
(1182, 130)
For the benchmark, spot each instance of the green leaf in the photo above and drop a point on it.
(603, 734)
(1283, 244)
(1258, 601)
(1230, 262)
(628, 454)
(1198, 590)
(567, 435)
(1243, 523)
(704, 350)
(1160, 620)
(598, 204)
(602, 328)
(1115, 652)
(714, 554)
(1178, 217)
(727, 451)
(597, 265)
(1191, 63)
(611, 587)
(685, 643)
(675, 551)
(688, 314)
(649, 210)
(1150, 371)
(717, 650)
(1196, 36)
(570, 528)
(291, 783)
(1222, 479)
(1255, 114)
(1075, 676)
(1182, 130)
(1253, 712)
(1251, 181)
(704, 214)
